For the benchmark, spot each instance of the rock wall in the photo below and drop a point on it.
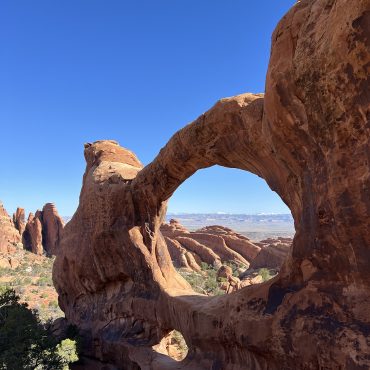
(52, 227)
(308, 137)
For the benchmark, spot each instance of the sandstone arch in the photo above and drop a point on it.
(308, 137)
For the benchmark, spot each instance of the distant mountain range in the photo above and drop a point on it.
(255, 226)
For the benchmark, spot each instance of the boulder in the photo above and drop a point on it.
(224, 272)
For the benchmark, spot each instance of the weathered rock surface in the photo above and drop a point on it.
(212, 245)
(43, 230)
(9, 236)
(52, 227)
(32, 236)
(308, 137)
(19, 220)
(272, 254)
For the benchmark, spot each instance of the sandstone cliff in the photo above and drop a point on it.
(308, 137)
(52, 227)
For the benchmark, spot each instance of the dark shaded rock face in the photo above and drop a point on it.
(308, 137)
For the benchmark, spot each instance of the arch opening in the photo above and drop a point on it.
(173, 345)
(220, 250)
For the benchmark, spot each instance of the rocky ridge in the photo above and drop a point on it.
(216, 245)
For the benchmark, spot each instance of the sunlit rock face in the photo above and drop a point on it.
(212, 245)
(308, 137)
(43, 230)
(52, 227)
(9, 238)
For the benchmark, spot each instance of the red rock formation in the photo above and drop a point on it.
(9, 236)
(271, 256)
(273, 253)
(43, 231)
(308, 137)
(212, 245)
(235, 241)
(52, 227)
(32, 236)
(19, 220)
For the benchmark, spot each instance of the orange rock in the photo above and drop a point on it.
(308, 137)
(19, 220)
(52, 227)
(9, 235)
(32, 236)
(212, 244)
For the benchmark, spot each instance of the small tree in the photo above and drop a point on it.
(25, 343)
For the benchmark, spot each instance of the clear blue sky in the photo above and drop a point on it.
(75, 71)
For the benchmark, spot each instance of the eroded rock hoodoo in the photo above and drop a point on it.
(308, 137)
(43, 231)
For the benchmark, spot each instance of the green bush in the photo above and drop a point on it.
(265, 273)
(205, 283)
(67, 351)
(53, 304)
(44, 281)
(26, 343)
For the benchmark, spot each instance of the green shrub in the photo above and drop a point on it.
(67, 351)
(53, 304)
(205, 283)
(265, 273)
(26, 343)
(44, 281)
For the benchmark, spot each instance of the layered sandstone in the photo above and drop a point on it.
(52, 227)
(32, 236)
(308, 137)
(9, 236)
(212, 245)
